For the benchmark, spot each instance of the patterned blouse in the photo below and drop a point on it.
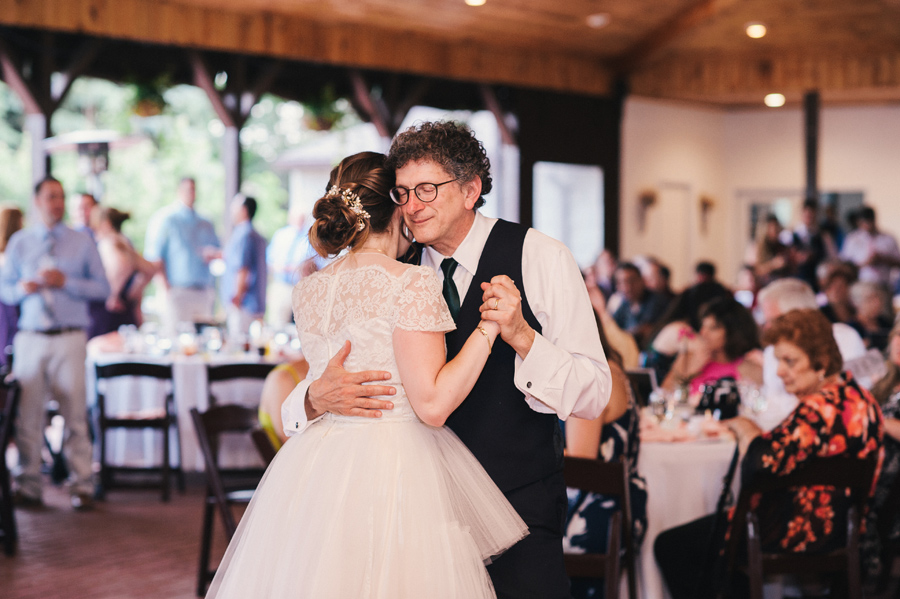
(842, 419)
(890, 469)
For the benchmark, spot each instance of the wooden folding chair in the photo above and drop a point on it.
(9, 403)
(264, 445)
(609, 479)
(229, 372)
(853, 476)
(163, 418)
(224, 487)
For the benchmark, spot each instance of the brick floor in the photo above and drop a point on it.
(131, 546)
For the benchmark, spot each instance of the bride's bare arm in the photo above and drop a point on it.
(434, 386)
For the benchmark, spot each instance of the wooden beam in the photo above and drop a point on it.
(374, 111)
(490, 101)
(740, 79)
(693, 15)
(80, 62)
(811, 109)
(305, 38)
(204, 80)
(14, 79)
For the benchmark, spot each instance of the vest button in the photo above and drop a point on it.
(528, 384)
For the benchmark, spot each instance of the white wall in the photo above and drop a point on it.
(723, 153)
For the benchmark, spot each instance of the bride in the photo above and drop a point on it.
(393, 507)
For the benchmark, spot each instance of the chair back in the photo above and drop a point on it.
(609, 479)
(9, 404)
(643, 383)
(160, 372)
(228, 372)
(852, 475)
(264, 445)
(210, 426)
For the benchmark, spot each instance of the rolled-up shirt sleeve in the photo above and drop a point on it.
(565, 371)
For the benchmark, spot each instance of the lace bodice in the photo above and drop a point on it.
(365, 304)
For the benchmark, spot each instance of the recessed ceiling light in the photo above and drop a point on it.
(774, 100)
(475, 2)
(755, 29)
(598, 20)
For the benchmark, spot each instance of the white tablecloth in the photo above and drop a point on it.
(684, 481)
(142, 448)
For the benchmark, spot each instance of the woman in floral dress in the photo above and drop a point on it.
(835, 417)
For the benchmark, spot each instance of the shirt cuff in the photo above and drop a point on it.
(293, 410)
(532, 379)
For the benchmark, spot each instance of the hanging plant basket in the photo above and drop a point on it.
(323, 113)
(148, 97)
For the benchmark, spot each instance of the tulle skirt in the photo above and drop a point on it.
(361, 509)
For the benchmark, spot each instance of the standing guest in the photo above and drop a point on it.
(243, 289)
(772, 255)
(810, 245)
(872, 313)
(640, 308)
(835, 417)
(704, 272)
(127, 271)
(835, 280)
(181, 243)
(81, 216)
(52, 272)
(290, 257)
(10, 221)
(546, 364)
(875, 252)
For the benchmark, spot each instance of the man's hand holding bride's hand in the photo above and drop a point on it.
(341, 392)
(503, 305)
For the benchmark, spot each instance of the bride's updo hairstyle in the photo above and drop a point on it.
(355, 203)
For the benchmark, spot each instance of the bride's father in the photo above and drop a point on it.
(548, 365)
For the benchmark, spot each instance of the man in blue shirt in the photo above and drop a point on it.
(52, 272)
(290, 258)
(243, 285)
(182, 243)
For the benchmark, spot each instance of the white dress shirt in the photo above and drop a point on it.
(565, 371)
(858, 248)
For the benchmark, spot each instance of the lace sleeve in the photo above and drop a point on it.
(421, 307)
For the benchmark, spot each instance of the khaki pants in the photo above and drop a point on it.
(52, 366)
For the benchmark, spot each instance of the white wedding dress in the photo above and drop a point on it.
(363, 508)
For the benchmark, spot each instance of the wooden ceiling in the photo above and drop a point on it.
(694, 50)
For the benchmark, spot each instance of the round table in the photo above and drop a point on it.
(684, 482)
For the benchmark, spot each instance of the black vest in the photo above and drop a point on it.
(516, 445)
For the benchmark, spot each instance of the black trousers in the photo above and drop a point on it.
(534, 568)
(692, 566)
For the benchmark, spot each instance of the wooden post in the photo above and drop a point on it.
(811, 106)
(232, 106)
(41, 94)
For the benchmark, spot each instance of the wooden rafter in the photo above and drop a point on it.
(491, 103)
(659, 38)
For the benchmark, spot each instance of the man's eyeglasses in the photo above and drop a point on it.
(426, 192)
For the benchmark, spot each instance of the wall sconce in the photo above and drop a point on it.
(706, 205)
(646, 199)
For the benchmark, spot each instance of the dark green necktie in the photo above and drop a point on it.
(451, 295)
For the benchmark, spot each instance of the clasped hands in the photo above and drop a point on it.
(356, 393)
(46, 277)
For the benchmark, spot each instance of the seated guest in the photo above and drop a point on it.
(727, 335)
(780, 297)
(772, 255)
(657, 278)
(612, 436)
(277, 386)
(871, 303)
(640, 308)
(681, 319)
(835, 417)
(887, 392)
